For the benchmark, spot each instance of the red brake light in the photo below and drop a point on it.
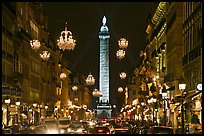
(100, 130)
(107, 132)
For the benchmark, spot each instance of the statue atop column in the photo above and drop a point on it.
(104, 20)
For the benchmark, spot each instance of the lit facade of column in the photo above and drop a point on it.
(104, 108)
(104, 62)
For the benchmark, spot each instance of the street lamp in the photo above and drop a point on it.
(74, 88)
(66, 41)
(97, 93)
(138, 106)
(123, 43)
(120, 89)
(34, 105)
(18, 104)
(46, 107)
(152, 101)
(143, 106)
(90, 80)
(182, 87)
(122, 75)
(35, 44)
(63, 76)
(164, 95)
(120, 54)
(56, 111)
(7, 101)
(45, 55)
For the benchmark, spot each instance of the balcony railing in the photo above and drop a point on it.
(11, 91)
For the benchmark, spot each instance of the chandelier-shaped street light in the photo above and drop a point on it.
(66, 42)
(97, 93)
(120, 54)
(35, 44)
(45, 55)
(120, 89)
(90, 80)
(122, 75)
(123, 43)
(74, 88)
(63, 76)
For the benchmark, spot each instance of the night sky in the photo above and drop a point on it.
(84, 19)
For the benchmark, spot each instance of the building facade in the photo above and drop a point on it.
(172, 56)
(192, 61)
(27, 78)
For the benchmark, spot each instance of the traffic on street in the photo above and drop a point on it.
(100, 126)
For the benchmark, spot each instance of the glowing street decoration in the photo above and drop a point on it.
(63, 76)
(97, 93)
(122, 75)
(123, 43)
(90, 80)
(35, 44)
(120, 54)
(45, 55)
(120, 89)
(66, 42)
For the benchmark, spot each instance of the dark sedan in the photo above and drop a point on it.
(161, 130)
(101, 130)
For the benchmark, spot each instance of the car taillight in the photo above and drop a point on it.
(107, 132)
(100, 130)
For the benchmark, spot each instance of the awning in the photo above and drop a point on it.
(171, 88)
(189, 98)
(23, 115)
(193, 95)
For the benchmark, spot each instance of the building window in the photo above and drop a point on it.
(34, 30)
(134, 92)
(34, 82)
(35, 67)
(25, 69)
(58, 91)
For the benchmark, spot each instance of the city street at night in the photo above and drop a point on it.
(102, 68)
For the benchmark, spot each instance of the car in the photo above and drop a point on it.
(63, 124)
(161, 130)
(122, 128)
(40, 129)
(76, 128)
(6, 130)
(51, 126)
(112, 130)
(101, 130)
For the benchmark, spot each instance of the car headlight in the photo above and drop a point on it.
(62, 131)
(69, 130)
(52, 131)
(79, 130)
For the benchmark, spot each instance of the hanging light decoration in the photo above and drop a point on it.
(120, 89)
(35, 44)
(122, 75)
(120, 54)
(66, 42)
(74, 88)
(45, 55)
(123, 43)
(63, 76)
(97, 93)
(90, 80)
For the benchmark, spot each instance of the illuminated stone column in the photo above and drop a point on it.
(104, 108)
(104, 62)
